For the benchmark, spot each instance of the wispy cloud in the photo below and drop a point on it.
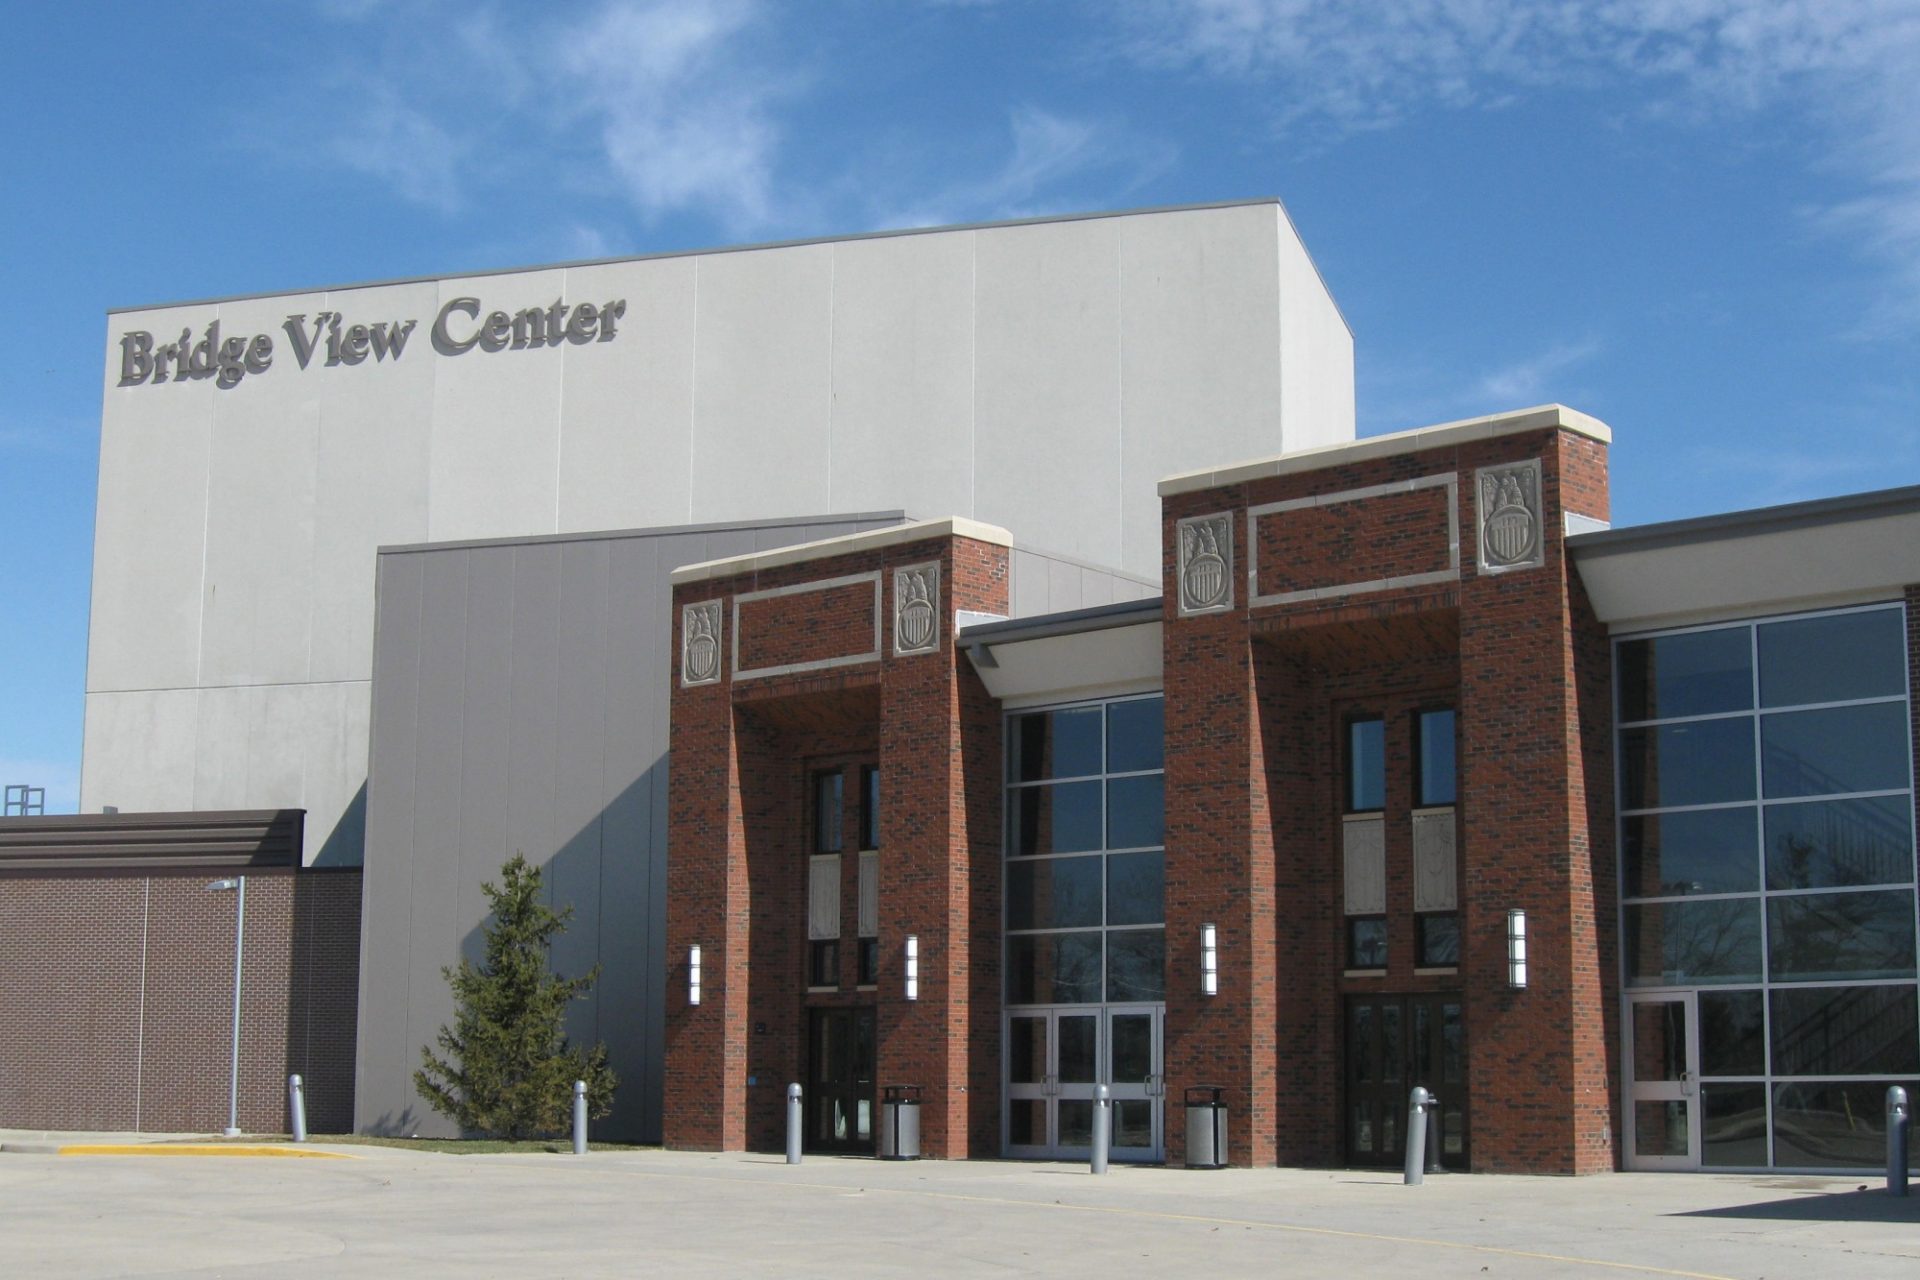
(1333, 68)
(1424, 392)
(1049, 157)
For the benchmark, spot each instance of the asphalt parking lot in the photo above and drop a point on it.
(382, 1212)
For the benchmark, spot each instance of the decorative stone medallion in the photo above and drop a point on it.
(916, 609)
(700, 644)
(1510, 521)
(1206, 563)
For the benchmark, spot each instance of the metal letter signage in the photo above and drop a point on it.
(1206, 563)
(916, 609)
(228, 361)
(700, 644)
(1509, 511)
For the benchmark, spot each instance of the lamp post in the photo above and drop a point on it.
(239, 885)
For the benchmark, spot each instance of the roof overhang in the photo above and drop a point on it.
(1803, 556)
(1062, 656)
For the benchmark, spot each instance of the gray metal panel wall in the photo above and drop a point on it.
(1043, 582)
(520, 694)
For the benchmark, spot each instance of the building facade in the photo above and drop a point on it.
(1376, 795)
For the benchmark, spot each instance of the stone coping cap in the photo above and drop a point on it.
(1446, 434)
(846, 544)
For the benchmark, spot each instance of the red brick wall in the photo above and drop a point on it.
(119, 1000)
(1360, 540)
(814, 625)
(743, 751)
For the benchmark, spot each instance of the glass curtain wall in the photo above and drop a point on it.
(1767, 881)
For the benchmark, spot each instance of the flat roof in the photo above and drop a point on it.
(846, 544)
(652, 531)
(765, 244)
(1069, 622)
(1734, 524)
(1464, 431)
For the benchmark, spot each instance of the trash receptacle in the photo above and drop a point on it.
(900, 1122)
(1206, 1126)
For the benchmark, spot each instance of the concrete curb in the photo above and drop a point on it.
(270, 1151)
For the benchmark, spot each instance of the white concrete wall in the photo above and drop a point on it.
(1038, 376)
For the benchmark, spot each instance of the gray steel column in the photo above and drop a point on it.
(1102, 1128)
(793, 1123)
(1417, 1136)
(1897, 1122)
(579, 1117)
(297, 1107)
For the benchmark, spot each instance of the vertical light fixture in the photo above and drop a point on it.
(1516, 949)
(693, 974)
(913, 966)
(1209, 961)
(238, 885)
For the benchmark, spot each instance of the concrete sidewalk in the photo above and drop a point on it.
(621, 1213)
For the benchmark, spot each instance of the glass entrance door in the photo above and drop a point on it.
(839, 1096)
(1056, 1057)
(1392, 1044)
(1663, 1048)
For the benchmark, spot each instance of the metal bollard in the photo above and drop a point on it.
(793, 1124)
(1435, 1129)
(1102, 1128)
(1417, 1136)
(1897, 1121)
(297, 1107)
(579, 1117)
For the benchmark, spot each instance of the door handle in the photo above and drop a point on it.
(1686, 1083)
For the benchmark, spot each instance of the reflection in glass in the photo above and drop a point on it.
(1818, 936)
(1132, 1047)
(1833, 659)
(1393, 1050)
(1833, 1125)
(1136, 735)
(1367, 943)
(1433, 761)
(1053, 968)
(1699, 762)
(1660, 1040)
(1054, 893)
(1026, 1050)
(1027, 1122)
(1079, 1048)
(1366, 765)
(1813, 753)
(1135, 811)
(1833, 843)
(1732, 1034)
(1674, 943)
(1439, 941)
(1056, 744)
(1076, 1122)
(1701, 851)
(1136, 965)
(1453, 1044)
(1660, 1128)
(1136, 888)
(1844, 1031)
(1133, 1123)
(1362, 1121)
(1699, 673)
(1360, 1042)
(1062, 818)
(1733, 1125)
(826, 811)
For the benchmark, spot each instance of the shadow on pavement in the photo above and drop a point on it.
(1870, 1205)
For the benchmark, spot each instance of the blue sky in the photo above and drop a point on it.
(1698, 220)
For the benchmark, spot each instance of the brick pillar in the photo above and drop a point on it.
(940, 871)
(1534, 833)
(707, 906)
(1219, 871)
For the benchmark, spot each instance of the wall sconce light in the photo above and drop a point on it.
(693, 975)
(1209, 961)
(913, 966)
(1517, 949)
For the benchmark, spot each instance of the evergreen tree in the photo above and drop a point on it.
(509, 1070)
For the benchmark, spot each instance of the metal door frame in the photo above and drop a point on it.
(1686, 1089)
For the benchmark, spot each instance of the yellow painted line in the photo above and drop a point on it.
(1163, 1216)
(272, 1150)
